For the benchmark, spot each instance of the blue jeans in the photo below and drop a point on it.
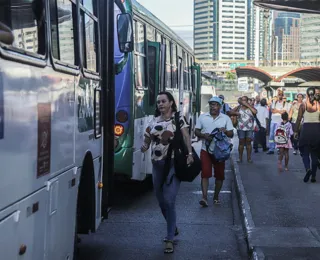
(166, 195)
(306, 153)
(272, 144)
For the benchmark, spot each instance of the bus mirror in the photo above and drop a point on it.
(125, 33)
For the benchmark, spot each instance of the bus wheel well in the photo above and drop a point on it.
(86, 197)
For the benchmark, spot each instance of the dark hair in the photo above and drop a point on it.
(246, 97)
(263, 102)
(285, 116)
(311, 89)
(170, 98)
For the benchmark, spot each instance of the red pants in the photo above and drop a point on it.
(207, 162)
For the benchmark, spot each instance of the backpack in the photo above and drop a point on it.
(222, 147)
(280, 136)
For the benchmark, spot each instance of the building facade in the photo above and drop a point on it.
(310, 36)
(286, 35)
(220, 29)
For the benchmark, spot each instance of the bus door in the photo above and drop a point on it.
(196, 77)
(180, 83)
(154, 57)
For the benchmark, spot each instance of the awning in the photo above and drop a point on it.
(301, 6)
(310, 84)
(307, 74)
(253, 72)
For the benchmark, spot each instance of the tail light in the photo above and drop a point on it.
(122, 116)
(118, 130)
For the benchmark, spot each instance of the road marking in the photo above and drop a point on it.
(211, 191)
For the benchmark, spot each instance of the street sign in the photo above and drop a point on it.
(243, 87)
(235, 65)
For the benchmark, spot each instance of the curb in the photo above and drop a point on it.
(244, 206)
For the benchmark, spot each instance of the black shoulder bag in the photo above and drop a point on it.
(183, 171)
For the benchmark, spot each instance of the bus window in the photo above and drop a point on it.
(89, 29)
(168, 64)
(185, 71)
(174, 67)
(159, 37)
(27, 22)
(140, 55)
(152, 74)
(151, 33)
(189, 72)
(62, 34)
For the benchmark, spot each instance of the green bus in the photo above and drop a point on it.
(161, 61)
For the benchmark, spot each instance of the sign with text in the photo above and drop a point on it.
(1, 109)
(236, 65)
(44, 139)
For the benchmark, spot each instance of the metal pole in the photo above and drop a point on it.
(282, 54)
(257, 38)
(277, 50)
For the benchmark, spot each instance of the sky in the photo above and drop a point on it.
(177, 14)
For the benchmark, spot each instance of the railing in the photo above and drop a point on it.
(227, 65)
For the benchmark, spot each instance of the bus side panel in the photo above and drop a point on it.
(61, 215)
(22, 227)
(38, 128)
(85, 137)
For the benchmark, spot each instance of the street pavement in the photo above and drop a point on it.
(135, 228)
(285, 210)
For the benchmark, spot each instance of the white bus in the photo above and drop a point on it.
(53, 81)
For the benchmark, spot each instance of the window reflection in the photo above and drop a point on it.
(63, 34)
(27, 23)
(91, 56)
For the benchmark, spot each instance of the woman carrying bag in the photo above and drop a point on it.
(160, 133)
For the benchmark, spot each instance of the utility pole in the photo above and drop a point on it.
(266, 35)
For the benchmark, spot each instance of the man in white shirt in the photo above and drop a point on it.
(263, 118)
(277, 108)
(206, 123)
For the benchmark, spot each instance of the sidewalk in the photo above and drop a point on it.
(135, 228)
(283, 212)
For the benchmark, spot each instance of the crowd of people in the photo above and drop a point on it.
(288, 125)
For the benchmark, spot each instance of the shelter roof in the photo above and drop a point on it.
(301, 6)
(307, 74)
(253, 72)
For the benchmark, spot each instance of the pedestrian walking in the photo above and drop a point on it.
(309, 141)
(293, 115)
(206, 123)
(158, 134)
(284, 147)
(278, 107)
(245, 126)
(260, 136)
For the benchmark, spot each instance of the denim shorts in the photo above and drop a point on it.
(245, 134)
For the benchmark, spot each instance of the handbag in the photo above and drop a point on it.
(234, 119)
(183, 171)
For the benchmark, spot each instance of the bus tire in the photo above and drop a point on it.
(86, 197)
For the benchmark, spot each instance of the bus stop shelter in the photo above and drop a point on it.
(301, 6)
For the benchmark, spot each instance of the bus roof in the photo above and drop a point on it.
(158, 24)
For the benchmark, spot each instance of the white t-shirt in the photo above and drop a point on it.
(276, 117)
(206, 123)
(262, 115)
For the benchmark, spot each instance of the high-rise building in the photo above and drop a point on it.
(203, 29)
(310, 36)
(286, 35)
(220, 29)
(253, 25)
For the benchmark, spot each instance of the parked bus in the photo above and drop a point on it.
(53, 80)
(161, 61)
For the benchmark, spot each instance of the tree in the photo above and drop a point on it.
(230, 75)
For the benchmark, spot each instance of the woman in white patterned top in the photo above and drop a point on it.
(159, 133)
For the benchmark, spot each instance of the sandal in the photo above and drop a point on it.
(239, 161)
(203, 203)
(176, 232)
(168, 247)
(217, 202)
(250, 161)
